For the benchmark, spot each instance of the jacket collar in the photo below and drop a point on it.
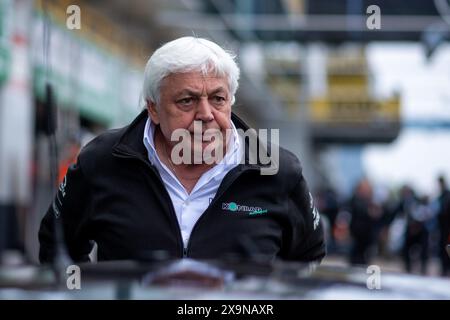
(130, 142)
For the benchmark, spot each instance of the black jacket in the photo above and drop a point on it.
(115, 197)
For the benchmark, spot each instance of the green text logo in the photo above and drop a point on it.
(251, 210)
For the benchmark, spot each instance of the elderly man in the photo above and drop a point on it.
(137, 191)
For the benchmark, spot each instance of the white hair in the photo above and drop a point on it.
(188, 54)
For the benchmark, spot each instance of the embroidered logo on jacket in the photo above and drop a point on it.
(251, 210)
(315, 212)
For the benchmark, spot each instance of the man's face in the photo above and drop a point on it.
(189, 97)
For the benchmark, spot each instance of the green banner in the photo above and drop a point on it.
(101, 86)
(5, 49)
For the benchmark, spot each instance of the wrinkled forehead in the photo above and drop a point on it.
(208, 69)
(195, 80)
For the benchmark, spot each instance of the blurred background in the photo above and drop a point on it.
(361, 96)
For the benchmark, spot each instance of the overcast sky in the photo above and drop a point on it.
(417, 156)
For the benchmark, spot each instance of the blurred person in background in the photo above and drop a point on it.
(365, 214)
(69, 157)
(444, 224)
(127, 193)
(418, 214)
(328, 205)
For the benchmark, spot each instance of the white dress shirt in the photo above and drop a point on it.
(189, 207)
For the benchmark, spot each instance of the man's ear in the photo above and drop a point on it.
(152, 111)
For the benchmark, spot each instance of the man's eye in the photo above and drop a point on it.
(219, 99)
(185, 101)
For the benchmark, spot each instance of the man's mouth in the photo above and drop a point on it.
(205, 137)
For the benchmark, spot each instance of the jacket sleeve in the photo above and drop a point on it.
(306, 239)
(71, 207)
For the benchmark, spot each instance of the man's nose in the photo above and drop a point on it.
(204, 110)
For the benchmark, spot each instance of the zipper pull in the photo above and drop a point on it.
(185, 252)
